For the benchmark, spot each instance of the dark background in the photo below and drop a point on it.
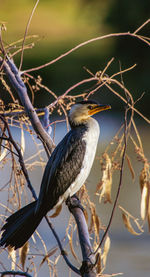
(61, 25)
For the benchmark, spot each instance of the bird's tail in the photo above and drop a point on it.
(20, 226)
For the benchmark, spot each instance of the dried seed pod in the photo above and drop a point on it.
(106, 250)
(127, 223)
(106, 181)
(23, 251)
(130, 167)
(12, 255)
(144, 201)
(57, 211)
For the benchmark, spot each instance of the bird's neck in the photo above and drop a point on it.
(74, 124)
(87, 124)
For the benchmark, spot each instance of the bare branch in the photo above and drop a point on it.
(11, 272)
(21, 161)
(134, 35)
(142, 26)
(13, 74)
(87, 268)
(26, 31)
(61, 248)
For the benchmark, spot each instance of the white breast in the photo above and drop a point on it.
(91, 138)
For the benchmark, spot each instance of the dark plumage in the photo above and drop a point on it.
(62, 168)
(65, 172)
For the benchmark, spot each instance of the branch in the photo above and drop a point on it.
(19, 111)
(14, 76)
(46, 122)
(88, 264)
(21, 161)
(25, 34)
(63, 253)
(11, 272)
(125, 34)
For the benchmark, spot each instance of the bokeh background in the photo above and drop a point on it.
(60, 25)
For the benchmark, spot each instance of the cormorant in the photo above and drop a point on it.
(66, 171)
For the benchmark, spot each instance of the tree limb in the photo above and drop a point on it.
(11, 272)
(14, 76)
(87, 269)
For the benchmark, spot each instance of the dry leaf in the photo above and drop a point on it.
(71, 245)
(133, 218)
(106, 250)
(94, 224)
(57, 259)
(97, 224)
(12, 255)
(99, 267)
(4, 153)
(143, 177)
(145, 192)
(86, 215)
(148, 213)
(91, 224)
(22, 141)
(130, 167)
(106, 181)
(2, 125)
(93, 213)
(50, 253)
(126, 220)
(23, 251)
(33, 238)
(57, 211)
(144, 201)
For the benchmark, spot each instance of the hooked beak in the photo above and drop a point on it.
(99, 108)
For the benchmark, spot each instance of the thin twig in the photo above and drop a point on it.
(18, 112)
(26, 31)
(142, 26)
(125, 101)
(21, 161)
(1, 44)
(88, 42)
(61, 248)
(70, 89)
(8, 139)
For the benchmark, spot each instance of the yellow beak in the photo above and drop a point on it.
(99, 108)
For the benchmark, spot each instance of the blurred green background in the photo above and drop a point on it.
(62, 24)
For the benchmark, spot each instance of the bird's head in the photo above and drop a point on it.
(82, 111)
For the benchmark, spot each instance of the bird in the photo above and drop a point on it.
(66, 171)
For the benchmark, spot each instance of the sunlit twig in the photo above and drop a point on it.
(26, 31)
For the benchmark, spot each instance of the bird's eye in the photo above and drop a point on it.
(90, 107)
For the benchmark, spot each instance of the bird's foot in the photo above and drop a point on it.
(74, 202)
